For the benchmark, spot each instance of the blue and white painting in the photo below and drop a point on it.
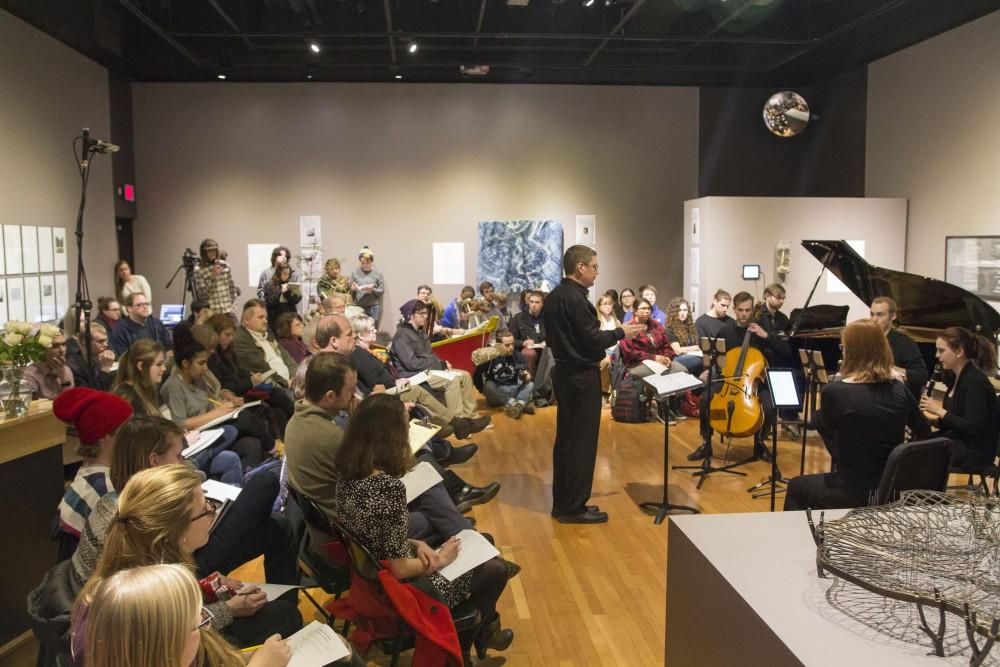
(520, 254)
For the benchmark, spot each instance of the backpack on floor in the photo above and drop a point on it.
(628, 402)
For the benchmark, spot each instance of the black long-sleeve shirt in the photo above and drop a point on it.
(371, 371)
(773, 347)
(526, 326)
(906, 355)
(865, 421)
(571, 328)
(972, 415)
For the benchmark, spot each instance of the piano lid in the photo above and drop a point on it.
(924, 303)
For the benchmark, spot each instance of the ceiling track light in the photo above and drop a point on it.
(412, 48)
(314, 47)
(588, 3)
(221, 76)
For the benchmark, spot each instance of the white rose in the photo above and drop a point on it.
(23, 328)
(49, 330)
(12, 339)
(45, 341)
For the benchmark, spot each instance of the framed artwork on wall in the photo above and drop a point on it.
(973, 263)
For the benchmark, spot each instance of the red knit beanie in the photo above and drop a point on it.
(93, 413)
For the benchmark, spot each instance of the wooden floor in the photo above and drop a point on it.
(594, 595)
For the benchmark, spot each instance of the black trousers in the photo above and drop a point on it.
(578, 423)
(831, 490)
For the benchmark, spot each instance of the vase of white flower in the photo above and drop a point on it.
(19, 347)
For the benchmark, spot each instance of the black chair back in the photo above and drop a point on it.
(922, 464)
(314, 516)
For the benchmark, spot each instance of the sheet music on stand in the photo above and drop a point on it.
(672, 383)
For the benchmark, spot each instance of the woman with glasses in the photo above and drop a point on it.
(152, 616)
(162, 516)
(109, 313)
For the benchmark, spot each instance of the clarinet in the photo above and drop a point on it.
(932, 380)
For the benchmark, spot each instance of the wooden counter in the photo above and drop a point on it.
(31, 484)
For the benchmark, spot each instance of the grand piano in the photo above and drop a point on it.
(926, 305)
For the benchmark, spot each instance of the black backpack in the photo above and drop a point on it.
(629, 404)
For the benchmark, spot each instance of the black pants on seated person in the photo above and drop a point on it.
(831, 490)
(279, 616)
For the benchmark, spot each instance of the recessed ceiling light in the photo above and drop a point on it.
(399, 76)
(314, 47)
(221, 76)
(309, 76)
(588, 3)
(413, 47)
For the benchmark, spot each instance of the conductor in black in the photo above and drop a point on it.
(577, 345)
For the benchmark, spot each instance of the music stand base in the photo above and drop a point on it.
(703, 471)
(662, 509)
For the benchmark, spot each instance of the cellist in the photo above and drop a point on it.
(772, 346)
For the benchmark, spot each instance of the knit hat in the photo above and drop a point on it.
(407, 308)
(94, 413)
(366, 253)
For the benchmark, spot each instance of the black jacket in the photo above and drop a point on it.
(973, 416)
(525, 326)
(371, 371)
(906, 355)
(571, 328)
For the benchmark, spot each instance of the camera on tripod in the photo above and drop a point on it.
(190, 260)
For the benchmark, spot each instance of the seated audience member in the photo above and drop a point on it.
(50, 376)
(712, 322)
(127, 282)
(335, 304)
(456, 313)
(109, 313)
(908, 363)
(370, 498)
(683, 336)
(97, 374)
(139, 324)
(616, 306)
(411, 352)
(529, 330)
(280, 256)
(968, 414)
(374, 376)
(367, 285)
(648, 292)
(332, 282)
(152, 616)
(255, 347)
(607, 322)
(864, 417)
(488, 293)
(288, 330)
(480, 313)
(627, 303)
(201, 312)
(280, 295)
(506, 380)
(186, 396)
(652, 343)
(162, 516)
(213, 279)
(233, 377)
(96, 416)
(438, 330)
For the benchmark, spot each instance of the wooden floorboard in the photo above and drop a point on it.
(595, 595)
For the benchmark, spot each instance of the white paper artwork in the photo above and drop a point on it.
(12, 250)
(449, 263)
(29, 249)
(59, 248)
(833, 283)
(48, 286)
(32, 299)
(45, 259)
(15, 299)
(258, 259)
(310, 231)
(586, 230)
(62, 294)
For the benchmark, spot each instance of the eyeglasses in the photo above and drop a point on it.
(140, 305)
(206, 618)
(210, 509)
(114, 310)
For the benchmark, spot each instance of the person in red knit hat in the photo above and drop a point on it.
(96, 417)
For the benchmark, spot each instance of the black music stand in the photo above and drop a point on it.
(714, 348)
(784, 394)
(664, 506)
(816, 376)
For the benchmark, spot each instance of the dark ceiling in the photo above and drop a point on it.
(658, 42)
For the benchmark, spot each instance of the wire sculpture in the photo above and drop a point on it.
(938, 551)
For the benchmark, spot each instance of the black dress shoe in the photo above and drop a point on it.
(586, 516)
(461, 427)
(592, 508)
(476, 495)
(461, 454)
(703, 452)
(479, 423)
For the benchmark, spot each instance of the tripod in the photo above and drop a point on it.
(664, 506)
(187, 266)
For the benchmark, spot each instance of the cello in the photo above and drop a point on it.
(735, 410)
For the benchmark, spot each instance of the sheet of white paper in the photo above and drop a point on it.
(473, 550)
(258, 259)
(310, 231)
(224, 418)
(654, 366)
(445, 375)
(3, 303)
(205, 440)
(59, 248)
(272, 591)
(833, 283)
(29, 248)
(12, 249)
(672, 383)
(420, 434)
(392, 391)
(449, 263)
(316, 645)
(220, 490)
(45, 259)
(538, 346)
(15, 299)
(586, 230)
(32, 299)
(48, 285)
(62, 294)
(419, 378)
(422, 477)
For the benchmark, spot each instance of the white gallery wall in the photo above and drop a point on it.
(934, 138)
(734, 231)
(48, 92)
(399, 167)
